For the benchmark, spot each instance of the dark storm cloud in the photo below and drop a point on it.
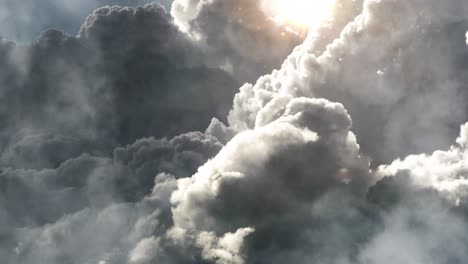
(287, 179)
(130, 74)
(69, 102)
(154, 68)
(96, 194)
(98, 181)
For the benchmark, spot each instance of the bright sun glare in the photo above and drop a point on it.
(300, 13)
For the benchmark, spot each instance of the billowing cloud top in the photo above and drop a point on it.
(131, 142)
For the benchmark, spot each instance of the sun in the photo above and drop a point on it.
(299, 13)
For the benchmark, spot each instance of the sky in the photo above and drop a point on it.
(233, 132)
(24, 20)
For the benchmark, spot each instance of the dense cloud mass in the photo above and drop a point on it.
(237, 32)
(131, 73)
(401, 75)
(131, 142)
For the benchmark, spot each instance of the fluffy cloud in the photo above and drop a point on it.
(99, 181)
(130, 74)
(443, 171)
(384, 71)
(238, 34)
(291, 177)
(69, 102)
(413, 225)
(400, 74)
(97, 91)
(272, 176)
(118, 233)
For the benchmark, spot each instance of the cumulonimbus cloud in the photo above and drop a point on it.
(305, 170)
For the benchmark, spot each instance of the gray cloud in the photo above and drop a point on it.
(400, 74)
(272, 176)
(291, 176)
(384, 71)
(238, 34)
(412, 228)
(70, 102)
(47, 214)
(443, 171)
(130, 74)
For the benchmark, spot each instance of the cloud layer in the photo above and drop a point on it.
(310, 163)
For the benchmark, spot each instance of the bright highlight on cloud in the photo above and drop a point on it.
(299, 13)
